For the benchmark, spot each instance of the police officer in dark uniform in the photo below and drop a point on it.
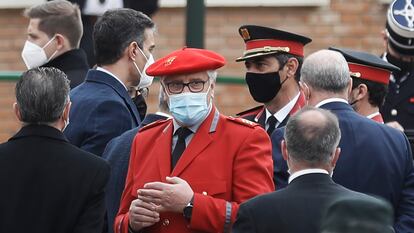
(370, 78)
(399, 40)
(273, 59)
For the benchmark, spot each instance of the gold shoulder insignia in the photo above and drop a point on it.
(242, 121)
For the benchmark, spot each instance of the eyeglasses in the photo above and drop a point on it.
(193, 86)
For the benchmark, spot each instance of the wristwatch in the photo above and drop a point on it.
(188, 209)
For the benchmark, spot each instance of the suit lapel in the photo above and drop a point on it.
(163, 153)
(104, 78)
(199, 142)
(261, 118)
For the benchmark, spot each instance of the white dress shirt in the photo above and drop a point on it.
(282, 113)
(106, 71)
(330, 100)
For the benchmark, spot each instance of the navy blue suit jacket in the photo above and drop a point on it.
(117, 154)
(375, 159)
(101, 110)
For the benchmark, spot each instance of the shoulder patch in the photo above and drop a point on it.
(252, 111)
(242, 121)
(153, 124)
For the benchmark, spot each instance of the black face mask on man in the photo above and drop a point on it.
(264, 87)
(405, 67)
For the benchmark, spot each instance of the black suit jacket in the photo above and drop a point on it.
(298, 208)
(73, 63)
(48, 185)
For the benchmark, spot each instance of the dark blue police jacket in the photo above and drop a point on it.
(375, 159)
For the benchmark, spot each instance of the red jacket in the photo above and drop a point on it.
(228, 161)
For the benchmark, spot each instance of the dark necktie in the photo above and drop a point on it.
(271, 121)
(180, 146)
(102, 1)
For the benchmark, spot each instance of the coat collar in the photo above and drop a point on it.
(66, 61)
(337, 106)
(202, 138)
(106, 79)
(33, 130)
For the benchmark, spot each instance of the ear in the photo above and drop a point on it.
(66, 111)
(60, 40)
(16, 111)
(362, 91)
(292, 65)
(349, 88)
(132, 50)
(305, 89)
(385, 38)
(284, 150)
(212, 87)
(335, 157)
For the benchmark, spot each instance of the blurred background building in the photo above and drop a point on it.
(342, 23)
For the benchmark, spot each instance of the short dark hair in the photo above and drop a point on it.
(376, 91)
(58, 16)
(282, 58)
(42, 94)
(115, 30)
(310, 141)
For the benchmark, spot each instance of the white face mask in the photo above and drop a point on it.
(34, 56)
(145, 80)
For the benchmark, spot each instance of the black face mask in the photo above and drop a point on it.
(403, 65)
(263, 87)
(141, 105)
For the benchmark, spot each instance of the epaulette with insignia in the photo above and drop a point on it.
(252, 111)
(153, 124)
(243, 121)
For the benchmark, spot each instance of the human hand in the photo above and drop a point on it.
(172, 196)
(142, 214)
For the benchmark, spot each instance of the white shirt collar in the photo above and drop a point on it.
(330, 100)
(307, 171)
(283, 112)
(106, 71)
(370, 116)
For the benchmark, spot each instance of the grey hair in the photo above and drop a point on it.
(162, 101)
(212, 74)
(42, 94)
(312, 138)
(326, 70)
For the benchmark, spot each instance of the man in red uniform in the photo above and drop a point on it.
(370, 77)
(273, 59)
(190, 173)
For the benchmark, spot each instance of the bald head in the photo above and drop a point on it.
(311, 136)
(326, 71)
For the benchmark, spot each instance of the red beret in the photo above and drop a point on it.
(186, 61)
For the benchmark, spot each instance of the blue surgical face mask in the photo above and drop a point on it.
(189, 108)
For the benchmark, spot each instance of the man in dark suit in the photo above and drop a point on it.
(53, 36)
(399, 50)
(117, 154)
(375, 159)
(102, 108)
(48, 185)
(311, 151)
